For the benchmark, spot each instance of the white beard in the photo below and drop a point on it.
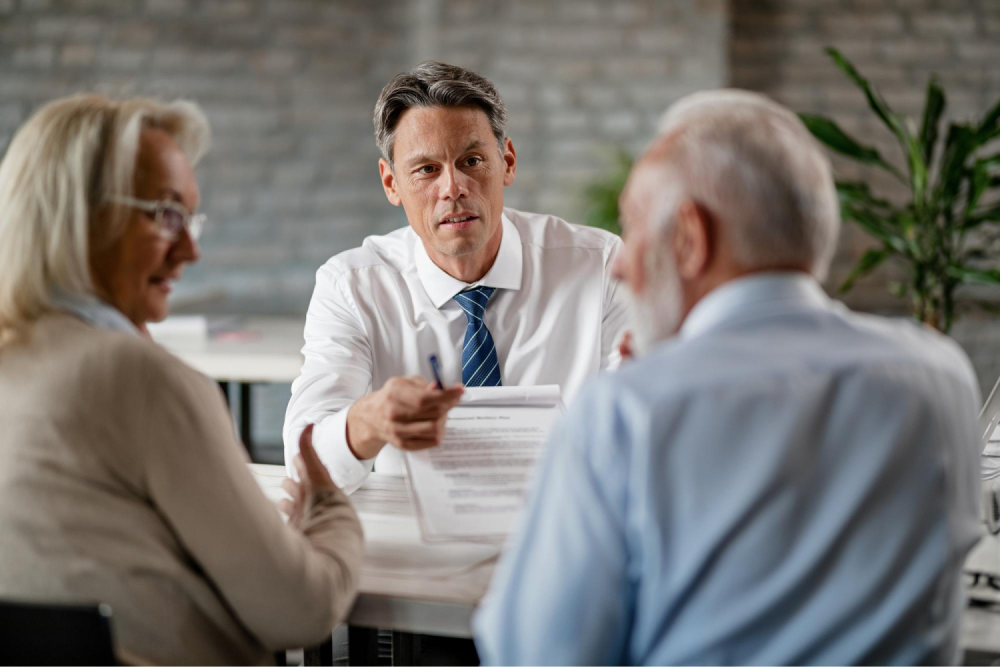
(655, 314)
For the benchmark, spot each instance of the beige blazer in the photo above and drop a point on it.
(122, 481)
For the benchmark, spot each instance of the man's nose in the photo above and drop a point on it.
(453, 185)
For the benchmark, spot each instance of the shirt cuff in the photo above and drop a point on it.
(330, 437)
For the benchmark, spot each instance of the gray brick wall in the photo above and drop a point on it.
(289, 87)
(776, 47)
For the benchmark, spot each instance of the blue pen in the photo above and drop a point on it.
(437, 371)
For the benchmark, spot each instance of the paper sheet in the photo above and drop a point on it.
(473, 485)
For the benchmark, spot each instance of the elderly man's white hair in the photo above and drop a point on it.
(754, 166)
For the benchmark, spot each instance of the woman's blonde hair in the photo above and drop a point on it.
(59, 171)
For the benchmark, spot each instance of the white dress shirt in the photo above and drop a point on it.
(784, 482)
(380, 310)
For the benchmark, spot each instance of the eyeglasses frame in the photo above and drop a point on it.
(194, 223)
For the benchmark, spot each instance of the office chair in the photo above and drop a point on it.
(49, 634)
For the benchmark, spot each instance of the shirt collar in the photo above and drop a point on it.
(93, 311)
(504, 274)
(757, 294)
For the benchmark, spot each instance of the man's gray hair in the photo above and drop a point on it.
(754, 165)
(435, 84)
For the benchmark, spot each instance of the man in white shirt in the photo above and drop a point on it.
(776, 480)
(500, 296)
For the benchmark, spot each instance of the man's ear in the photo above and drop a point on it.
(692, 240)
(388, 182)
(510, 162)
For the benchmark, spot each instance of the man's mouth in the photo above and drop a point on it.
(460, 221)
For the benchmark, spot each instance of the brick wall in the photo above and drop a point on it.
(776, 47)
(289, 87)
(580, 78)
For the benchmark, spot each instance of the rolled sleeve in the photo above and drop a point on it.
(336, 372)
(330, 440)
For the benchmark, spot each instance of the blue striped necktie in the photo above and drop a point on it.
(480, 367)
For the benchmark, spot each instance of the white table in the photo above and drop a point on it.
(406, 585)
(260, 349)
(409, 586)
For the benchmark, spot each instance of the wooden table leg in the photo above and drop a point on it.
(362, 646)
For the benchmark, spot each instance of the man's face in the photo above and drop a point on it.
(449, 176)
(647, 264)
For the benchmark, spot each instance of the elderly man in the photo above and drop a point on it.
(501, 296)
(777, 480)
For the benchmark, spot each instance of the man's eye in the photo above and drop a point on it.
(473, 161)
(426, 169)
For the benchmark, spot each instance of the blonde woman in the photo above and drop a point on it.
(121, 480)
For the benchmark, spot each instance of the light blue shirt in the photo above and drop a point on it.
(94, 312)
(783, 482)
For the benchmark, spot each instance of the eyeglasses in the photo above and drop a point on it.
(170, 217)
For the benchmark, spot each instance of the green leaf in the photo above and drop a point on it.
(830, 134)
(911, 147)
(875, 100)
(990, 160)
(850, 192)
(868, 262)
(933, 108)
(876, 225)
(990, 124)
(991, 214)
(959, 144)
(601, 196)
(979, 179)
(980, 276)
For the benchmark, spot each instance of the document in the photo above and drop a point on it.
(473, 485)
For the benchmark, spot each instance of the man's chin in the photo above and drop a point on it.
(457, 247)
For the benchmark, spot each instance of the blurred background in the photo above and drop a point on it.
(289, 87)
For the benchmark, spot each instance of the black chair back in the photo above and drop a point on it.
(47, 634)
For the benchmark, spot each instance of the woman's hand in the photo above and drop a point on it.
(313, 476)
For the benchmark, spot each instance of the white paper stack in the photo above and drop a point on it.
(473, 486)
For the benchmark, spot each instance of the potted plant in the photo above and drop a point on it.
(600, 197)
(948, 226)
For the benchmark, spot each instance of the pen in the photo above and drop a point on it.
(437, 371)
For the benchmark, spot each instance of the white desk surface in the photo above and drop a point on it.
(406, 584)
(265, 349)
(410, 586)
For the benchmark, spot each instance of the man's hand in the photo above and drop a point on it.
(313, 476)
(408, 413)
